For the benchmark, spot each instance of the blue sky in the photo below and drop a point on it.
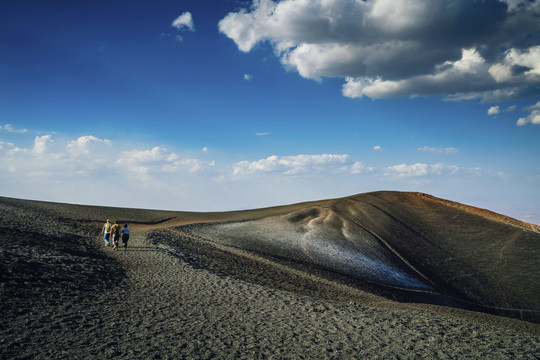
(223, 105)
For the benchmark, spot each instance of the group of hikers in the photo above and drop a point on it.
(111, 234)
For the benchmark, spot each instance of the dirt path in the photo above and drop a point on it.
(165, 308)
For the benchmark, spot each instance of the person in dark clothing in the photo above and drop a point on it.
(125, 236)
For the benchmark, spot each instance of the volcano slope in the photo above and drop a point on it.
(411, 247)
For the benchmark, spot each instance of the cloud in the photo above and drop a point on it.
(248, 77)
(42, 144)
(533, 117)
(188, 165)
(447, 150)
(420, 169)
(82, 145)
(4, 145)
(134, 157)
(34, 163)
(10, 129)
(494, 110)
(339, 165)
(93, 157)
(292, 165)
(204, 149)
(158, 161)
(184, 21)
(266, 133)
(90, 170)
(513, 4)
(390, 48)
(358, 168)
(142, 162)
(377, 148)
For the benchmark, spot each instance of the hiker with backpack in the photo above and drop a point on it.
(115, 231)
(106, 232)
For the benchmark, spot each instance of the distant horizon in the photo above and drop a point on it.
(266, 207)
(204, 106)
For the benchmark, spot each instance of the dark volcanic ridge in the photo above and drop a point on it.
(407, 246)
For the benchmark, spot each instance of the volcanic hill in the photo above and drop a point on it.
(407, 246)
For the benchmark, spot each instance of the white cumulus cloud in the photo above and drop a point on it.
(533, 117)
(420, 169)
(82, 145)
(184, 21)
(157, 161)
(133, 157)
(42, 144)
(494, 110)
(388, 48)
(358, 168)
(291, 165)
